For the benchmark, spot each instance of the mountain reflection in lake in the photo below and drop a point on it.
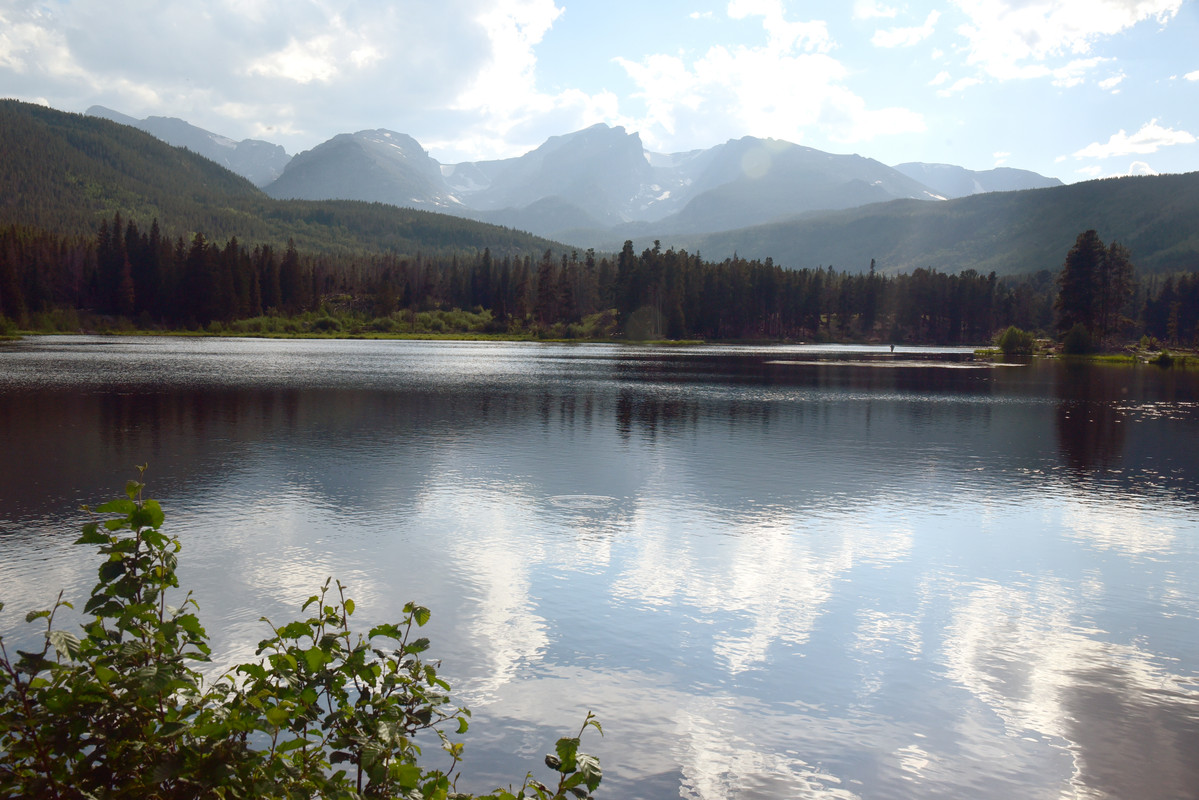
(773, 572)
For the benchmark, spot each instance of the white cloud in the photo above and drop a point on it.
(461, 73)
(1074, 72)
(784, 88)
(1149, 139)
(906, 37)
(1140, 168)
(1013, 38)
(941, 79)
(871, 9)
(958, 86)
(1110, 84)
(1192, 76)
(1001, 157)
(810, 37)
(302, 62)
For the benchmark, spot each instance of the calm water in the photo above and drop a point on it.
(775, 572)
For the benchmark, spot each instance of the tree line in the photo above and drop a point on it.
(137, 273)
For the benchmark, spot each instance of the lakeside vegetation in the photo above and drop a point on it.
(104, 228)
(123, 709)
(128, 278)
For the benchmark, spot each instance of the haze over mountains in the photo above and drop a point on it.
(258, 161)
(67, 172)
(594, 187)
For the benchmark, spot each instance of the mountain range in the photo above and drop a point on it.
(591, 187)
(259, 162)
(66, 172)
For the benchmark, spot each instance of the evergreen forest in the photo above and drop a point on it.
(103, 227)
(131, 274)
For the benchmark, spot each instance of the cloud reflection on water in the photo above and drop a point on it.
(1127, 721)
(832, 582)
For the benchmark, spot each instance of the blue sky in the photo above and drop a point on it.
(1070, 88)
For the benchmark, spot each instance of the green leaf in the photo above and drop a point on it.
(293, 744)
(132, 488)
(567, 748)
(32, 615)
(315, 658)
(156, 515)
(349, 606)
(253, 670)
(104, 674)
(408, 776)
(462, 725)
(65, 644)
(191, 624)
(589, 768)
(278, 716)
(111, 570)
(92, 535)
(387, 630)
(295, 630)
(118, 506)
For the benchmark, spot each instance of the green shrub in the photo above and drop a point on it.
(325, 325)
(1014, 341)
(1162, 359)
(1077, 341)
(118, 710)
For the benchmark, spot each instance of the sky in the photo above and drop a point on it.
(1075, 89)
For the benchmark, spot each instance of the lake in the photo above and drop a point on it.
(790, 571)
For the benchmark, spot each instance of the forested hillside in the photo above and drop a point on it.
(66, 172)
(1156, 217)
(104, 226)
(129, 271)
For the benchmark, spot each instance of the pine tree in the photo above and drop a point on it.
(1077, 299)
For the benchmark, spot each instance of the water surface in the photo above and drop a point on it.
(772, 572)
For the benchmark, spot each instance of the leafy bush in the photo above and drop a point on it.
(325, 325)
(382, 324)
(1077, 341)
(120, 711)
(1014, 341)
(1162, 359)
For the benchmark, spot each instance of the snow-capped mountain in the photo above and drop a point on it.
(951, 182)
(593, 184)
(377, 166)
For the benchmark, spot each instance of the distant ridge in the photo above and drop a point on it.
(257, 161)
(1156, 217)
(66, 172)
(952, 182)
(599, 184)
